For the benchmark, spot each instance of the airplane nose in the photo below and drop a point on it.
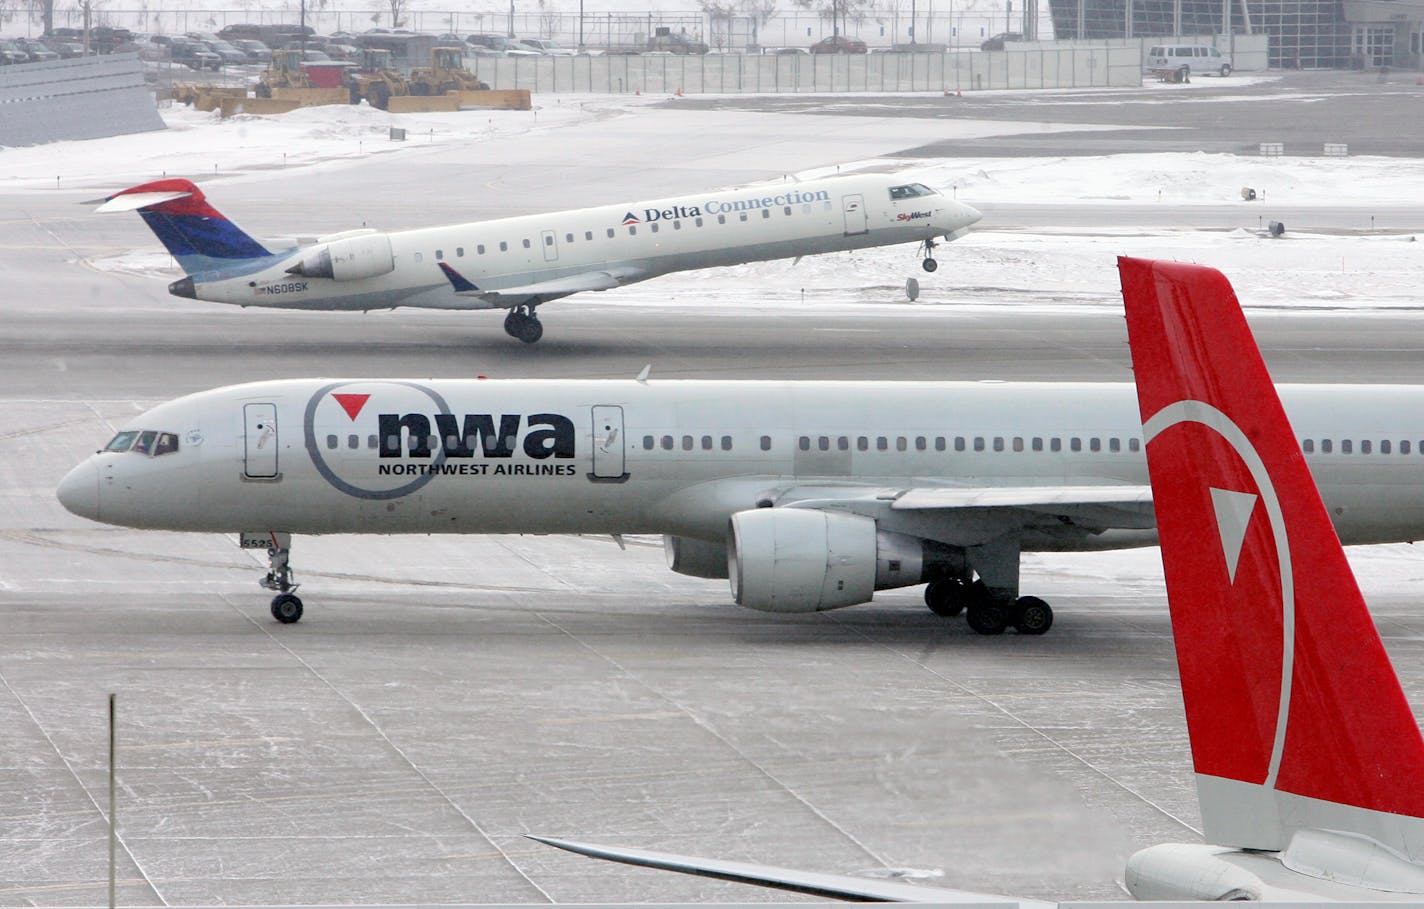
(970, 214)
(78, 492)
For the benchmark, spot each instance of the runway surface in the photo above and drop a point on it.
(444, 696)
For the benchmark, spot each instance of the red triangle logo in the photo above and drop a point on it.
(352, 404)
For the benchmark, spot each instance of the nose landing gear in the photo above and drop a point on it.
(286, 605)
(523, 324)
(928, 248)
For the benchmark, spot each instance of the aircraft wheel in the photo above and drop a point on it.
(1033, 615)
(946, 597)
(533, 330)
(930, 264)
(287, 608)
(987, 617)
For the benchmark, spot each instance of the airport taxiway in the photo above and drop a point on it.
(445, 695)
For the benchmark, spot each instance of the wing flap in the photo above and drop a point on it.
(1031, 498)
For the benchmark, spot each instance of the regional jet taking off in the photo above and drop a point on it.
(807, 495)
(1309, 763)
(521, 263)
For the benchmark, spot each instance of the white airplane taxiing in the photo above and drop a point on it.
(1309, 763)
(520, 263)
(806, 495)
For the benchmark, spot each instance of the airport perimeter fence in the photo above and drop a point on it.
(1025, 66)
(84, 98)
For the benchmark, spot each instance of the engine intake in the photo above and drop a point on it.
(348, 259)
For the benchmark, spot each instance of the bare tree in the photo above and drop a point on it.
(889, 11)
(398, 9)
(549, 19)
(45, 8)
(840, 12)
(760, 12)
(719, 19)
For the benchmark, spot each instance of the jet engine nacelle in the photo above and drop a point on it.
(697, 558)
(348, 259)
(804, 560)
(1181, 871)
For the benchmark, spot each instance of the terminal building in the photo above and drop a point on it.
(1304, 34)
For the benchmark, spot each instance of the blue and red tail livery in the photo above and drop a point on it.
(1297, 720)
(199, 236)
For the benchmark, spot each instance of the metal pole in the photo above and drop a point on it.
(113, 827)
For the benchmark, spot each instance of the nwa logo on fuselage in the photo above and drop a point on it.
(545, 435)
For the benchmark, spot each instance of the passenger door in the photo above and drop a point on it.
(260, 441)
(855, 218)
(608, 443)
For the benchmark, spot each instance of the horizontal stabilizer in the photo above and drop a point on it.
(829, 886)
(135, 201)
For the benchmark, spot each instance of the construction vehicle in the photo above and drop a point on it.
(285, 71)
(446, 73)
(376, 80)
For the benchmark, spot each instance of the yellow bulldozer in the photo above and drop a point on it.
(446, 73)
(376, 80)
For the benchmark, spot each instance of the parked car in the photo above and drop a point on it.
(11, 53)
(67, 50)
(229, 54)
(926, 47)
(1195, 58)
(790, 52)
(839, 44)
(503, 45)
(547, 47)
(675, 43)
(256, 51)
(38, 52)
(270, 35)
(998, 41)
(193, 54)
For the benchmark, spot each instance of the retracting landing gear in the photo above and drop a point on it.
(928, 248)
(523, 324)
(286, 605)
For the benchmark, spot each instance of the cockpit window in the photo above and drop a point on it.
(123, 441)
(910, 191)
(144, 441)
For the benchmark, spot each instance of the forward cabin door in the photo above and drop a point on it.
(608, 444)
(855, 219)
(260, 441)
(551, 246)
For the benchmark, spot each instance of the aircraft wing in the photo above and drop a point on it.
(829, 886)
(597, 279)
(961, 513)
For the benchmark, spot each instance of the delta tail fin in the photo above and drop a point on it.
(1302, 739)
(195, 233)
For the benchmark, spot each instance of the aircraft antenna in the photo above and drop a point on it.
(643, 376)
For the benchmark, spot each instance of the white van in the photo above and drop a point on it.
(1197, 58)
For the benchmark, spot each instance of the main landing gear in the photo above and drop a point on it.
(286, 605)
(985, 612)
(523, 324)
(928, 248)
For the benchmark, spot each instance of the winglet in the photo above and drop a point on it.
(458, 281)
(1296, 718)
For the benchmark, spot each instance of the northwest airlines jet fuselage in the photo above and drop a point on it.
(520, 263)
(810, 496)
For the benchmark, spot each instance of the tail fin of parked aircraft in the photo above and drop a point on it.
(195, 233)
(1302, 739)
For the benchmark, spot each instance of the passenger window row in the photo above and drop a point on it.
(653, 227)
(1365, 446)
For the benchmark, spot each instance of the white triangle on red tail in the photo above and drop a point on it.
(1233, 514)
